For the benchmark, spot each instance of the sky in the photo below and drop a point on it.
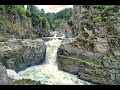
(53, 8)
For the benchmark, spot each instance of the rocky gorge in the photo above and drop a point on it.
(17, 54)
(95, 54)
(88, 65)
(88, 49)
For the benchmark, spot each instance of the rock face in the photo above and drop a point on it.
(3, 75)
(16, 23)
(88, 66)
(95, 54)
(16, 26)
(19, 54)
(102, 45)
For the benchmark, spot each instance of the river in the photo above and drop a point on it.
(48, 73)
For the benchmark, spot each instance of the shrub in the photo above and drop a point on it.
(21, 11)
(28, 13)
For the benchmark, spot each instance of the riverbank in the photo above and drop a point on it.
(94, 67)
(48, 73)
(19, 54)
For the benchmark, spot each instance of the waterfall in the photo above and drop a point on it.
(48, 73)
(51, 51)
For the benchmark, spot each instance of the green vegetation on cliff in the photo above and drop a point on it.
(25, 82)
(99, 24)
(18, 22)
(92, 63)
(97, 28)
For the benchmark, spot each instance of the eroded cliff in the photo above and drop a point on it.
(95, 54)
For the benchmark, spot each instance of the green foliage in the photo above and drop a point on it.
(10, 9)
(25, 82)
(28, 13)
(40, 19)
(36, 19)
(80, 60)
(64, 14)
(21, 11)
(102, 16)
(2, 9)
(45, 23)
(16, 10)
(50, 18)
(3, 25)
(42, 13)
(38, 16)
(103, 21)
(32, 8)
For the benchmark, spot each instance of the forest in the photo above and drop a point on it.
(41, 23)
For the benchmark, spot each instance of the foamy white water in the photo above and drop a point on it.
(13, 75)
(48, 73)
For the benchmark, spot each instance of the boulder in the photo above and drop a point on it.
(13, 75)
(117, 52)
(102, 45)
(3, 75)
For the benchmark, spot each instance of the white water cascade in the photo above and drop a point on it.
(48, 73)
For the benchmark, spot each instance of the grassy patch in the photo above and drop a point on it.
(113, 58)
(89, 62)
(25, 82)
(75, 58)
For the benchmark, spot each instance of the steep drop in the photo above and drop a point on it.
(48, 73)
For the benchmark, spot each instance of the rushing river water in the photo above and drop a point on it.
(48, 73)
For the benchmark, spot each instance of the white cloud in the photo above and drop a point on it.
(53, 8)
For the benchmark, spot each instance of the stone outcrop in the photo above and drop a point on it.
(89, 66)
(102, 45)
(16, 26)
(3, 75)
(5, 80)
(95, 54)
(17, 54)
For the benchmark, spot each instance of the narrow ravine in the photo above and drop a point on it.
(48, 73)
